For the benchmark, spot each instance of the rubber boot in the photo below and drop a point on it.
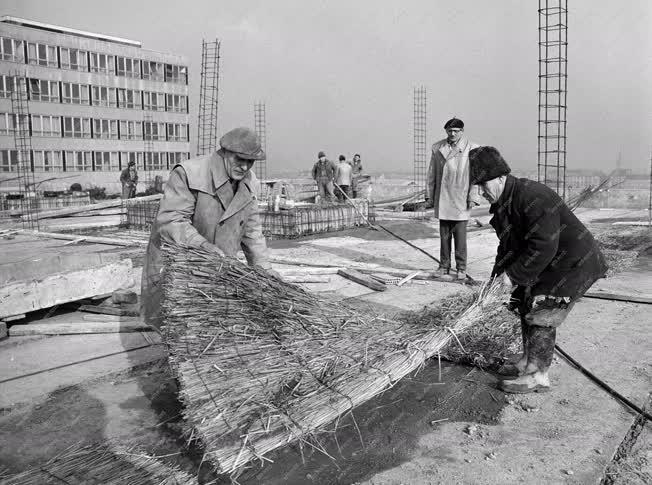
(540, 349)
(515, 369)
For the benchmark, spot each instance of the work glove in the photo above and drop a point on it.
(519, 300)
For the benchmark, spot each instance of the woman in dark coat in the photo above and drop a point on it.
(545, 251)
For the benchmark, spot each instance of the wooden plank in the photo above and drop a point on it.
(89, 239)
(307, 271)
(28, 296)
(361, 279)
(109, 310)
(306, 279)
(76, 328)
(646, 299)
(408, 278)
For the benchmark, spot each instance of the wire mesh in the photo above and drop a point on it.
(553, 47)
(420, 145)
(208, 97)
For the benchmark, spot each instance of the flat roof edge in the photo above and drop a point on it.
(66, 30)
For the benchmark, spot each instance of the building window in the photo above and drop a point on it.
(73, 59)
(8, 124)
(106, 161)
(103, 96)
(8, 84)
(155, 161)
(177, 132)
(153, 70)
(153, 130)
(75, 93)
(11, 50)
(129, 98)
(9, 160)
(131, 130)
(43, 90)
(42, 54)
(76, 127)
(102, 63)
(48, 161)
(107, 129)
(176, 157)
(176, 74)
(177, 103)
(128, 67)
(128, 157)
(153, 101)
(79, 161)
(45, 125)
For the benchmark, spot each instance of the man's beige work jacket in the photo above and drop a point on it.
(448, 180)
(199, 206)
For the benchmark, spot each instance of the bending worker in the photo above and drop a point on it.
(209, 202)
(548, 255)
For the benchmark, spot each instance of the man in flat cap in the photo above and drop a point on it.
(548, 255)
(448, 192)
(209, 202)
(323, 172)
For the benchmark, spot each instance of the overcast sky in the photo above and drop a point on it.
(339, 75)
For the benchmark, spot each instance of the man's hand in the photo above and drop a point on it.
(470, 204)
(212, 248)
(430, 203)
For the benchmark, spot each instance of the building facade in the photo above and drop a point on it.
(95, 103)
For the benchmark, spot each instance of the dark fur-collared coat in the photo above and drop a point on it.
(543, 245)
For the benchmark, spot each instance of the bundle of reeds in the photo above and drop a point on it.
(263, 363)
(101, 464)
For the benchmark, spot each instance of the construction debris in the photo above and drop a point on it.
(361, 279)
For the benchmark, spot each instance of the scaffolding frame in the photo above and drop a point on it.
(23, 143)
(260, 126)
(419, 141)
(553, 85)
(208, 97)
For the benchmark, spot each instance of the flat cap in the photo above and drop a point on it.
(454, 123)
(486, 163)
(321, 154)
(243, 142)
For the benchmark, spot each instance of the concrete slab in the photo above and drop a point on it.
(69, 360)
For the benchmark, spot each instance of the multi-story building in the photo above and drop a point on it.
(95, 103)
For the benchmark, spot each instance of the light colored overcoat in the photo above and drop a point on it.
(199, 207)
(448, 180)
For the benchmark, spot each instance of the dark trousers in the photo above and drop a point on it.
(343, 189)
(540, 344)
(449, 230)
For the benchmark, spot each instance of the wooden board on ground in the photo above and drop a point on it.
(28, 296)
(77, 328)
(110, 310)
(89, 239)
(646, 299)
(361, 279)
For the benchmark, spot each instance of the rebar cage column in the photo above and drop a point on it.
(553, 84)
(419, 140)
(208, 97)
(260, 125)
(23, 144)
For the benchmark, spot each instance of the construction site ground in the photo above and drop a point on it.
(447, 424)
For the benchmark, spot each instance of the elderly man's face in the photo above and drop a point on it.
(237, 167)
(454, 134)
(493, 189)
